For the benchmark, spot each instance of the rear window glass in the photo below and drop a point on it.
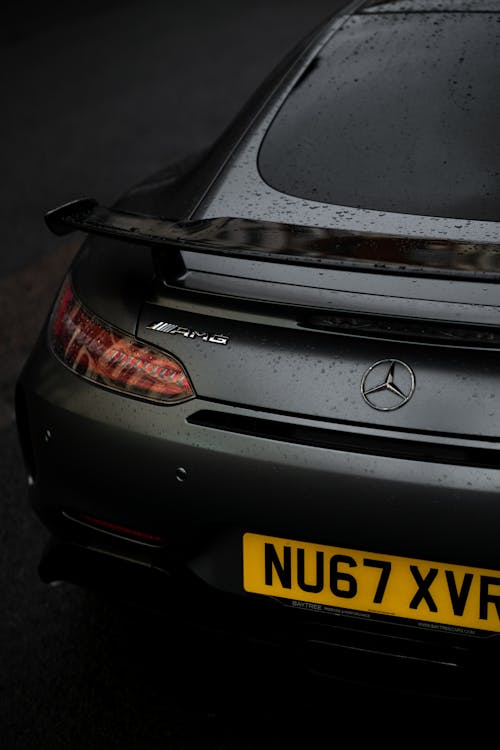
(399, 112)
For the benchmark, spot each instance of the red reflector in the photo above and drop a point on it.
(100, 353)
(124, 530)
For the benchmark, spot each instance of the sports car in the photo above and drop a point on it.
(267, 396)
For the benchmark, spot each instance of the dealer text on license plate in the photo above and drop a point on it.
(372, 583)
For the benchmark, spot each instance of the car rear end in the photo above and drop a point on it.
(290, 432)
(273, 451)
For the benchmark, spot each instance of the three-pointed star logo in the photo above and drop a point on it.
(388, 376)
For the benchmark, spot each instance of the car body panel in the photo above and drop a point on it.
(93, 439)
(319, 374)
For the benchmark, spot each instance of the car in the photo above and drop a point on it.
(266, 397)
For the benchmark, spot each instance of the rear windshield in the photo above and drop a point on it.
(400, 112)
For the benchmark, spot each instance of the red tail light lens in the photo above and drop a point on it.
(99, 353)
(114, 528)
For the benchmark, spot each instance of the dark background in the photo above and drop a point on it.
(94, 98)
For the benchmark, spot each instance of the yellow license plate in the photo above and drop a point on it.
(334, 577)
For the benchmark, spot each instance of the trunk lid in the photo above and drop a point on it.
(304, 341)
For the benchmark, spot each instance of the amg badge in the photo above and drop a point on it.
(189, 333)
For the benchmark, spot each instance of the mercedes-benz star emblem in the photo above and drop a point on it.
(388, 384)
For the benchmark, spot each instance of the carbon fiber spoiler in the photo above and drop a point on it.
(280, 242)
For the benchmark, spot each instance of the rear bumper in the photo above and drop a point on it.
(161, 470)
(155, 469)
(391, 659)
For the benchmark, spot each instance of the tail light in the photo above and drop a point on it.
(97, 352)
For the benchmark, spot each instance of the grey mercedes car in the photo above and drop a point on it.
(267, 396)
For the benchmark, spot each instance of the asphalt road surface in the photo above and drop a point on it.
(94, 99)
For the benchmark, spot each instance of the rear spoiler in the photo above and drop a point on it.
(280, 242)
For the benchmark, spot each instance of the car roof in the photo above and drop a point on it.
(398, 112)
(245, 188)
